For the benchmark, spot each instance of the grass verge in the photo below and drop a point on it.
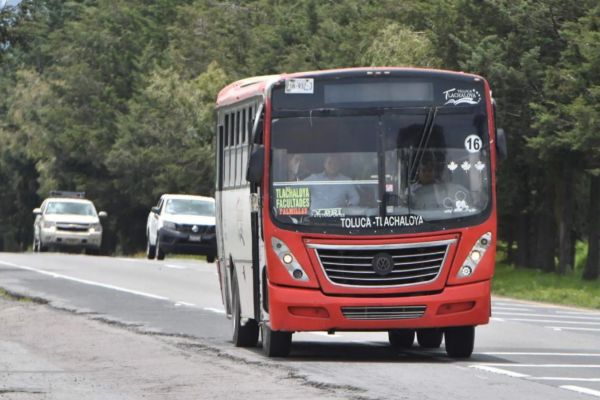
(18, 297)
(530, 284)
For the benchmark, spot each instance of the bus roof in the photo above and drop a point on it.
(250, 87)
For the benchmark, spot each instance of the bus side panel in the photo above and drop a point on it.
(224, 273)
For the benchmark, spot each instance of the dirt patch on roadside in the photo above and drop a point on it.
(51, 354)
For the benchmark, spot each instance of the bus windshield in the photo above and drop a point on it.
(387, 171)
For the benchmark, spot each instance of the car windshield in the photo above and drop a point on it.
(377, 172)
(190, 207)
(76, 208)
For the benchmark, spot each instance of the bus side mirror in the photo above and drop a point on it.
(256, 164)
(501, 150)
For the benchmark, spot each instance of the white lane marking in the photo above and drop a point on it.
(499, 371)
(496, 319)
(564, 378)
(579, 313)
(55, 275)
(554, 322)
(560, 328)
(8, 264)
(175, 266)
(582, 390)
(548, 316)
(510, 309)
(215, 310)
(519, 304)
(541, 365)
(183, 303)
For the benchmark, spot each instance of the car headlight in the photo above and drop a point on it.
(95, 227)
(49, 224)
(170, 225)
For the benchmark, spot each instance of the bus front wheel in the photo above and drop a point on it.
(243, 335)
(275, 343)
(460, 341)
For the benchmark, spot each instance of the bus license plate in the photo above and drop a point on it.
(72, 241)
(195, 238)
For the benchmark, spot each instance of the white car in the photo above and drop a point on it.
(67, 221)
(182, 224)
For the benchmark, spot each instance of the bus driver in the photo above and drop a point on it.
(332, 195)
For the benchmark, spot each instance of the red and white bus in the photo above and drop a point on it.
(357, 200)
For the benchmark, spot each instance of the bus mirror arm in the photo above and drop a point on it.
(256, 164)
(501, 149)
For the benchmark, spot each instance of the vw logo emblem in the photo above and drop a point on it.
(383, 264)
(195, 229)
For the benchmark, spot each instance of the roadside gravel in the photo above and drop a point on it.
(51, 354)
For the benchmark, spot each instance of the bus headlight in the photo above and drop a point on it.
(288, 260)
(476, 254)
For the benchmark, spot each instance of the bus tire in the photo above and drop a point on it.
(247, 335)
(210, 259)
(150, 250)
(276, 343)
(460, 341)
(430, 338)
(402, 338)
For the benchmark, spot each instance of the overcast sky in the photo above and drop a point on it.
(8, 2)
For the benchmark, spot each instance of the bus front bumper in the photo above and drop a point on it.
(298, 310)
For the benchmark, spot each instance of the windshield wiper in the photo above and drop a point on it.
(416, 161)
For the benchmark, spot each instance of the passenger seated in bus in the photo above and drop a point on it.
(332, 195)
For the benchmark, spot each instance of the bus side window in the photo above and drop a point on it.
(232, 151)
(220, 158)
(238, 150)
(226, 154)
(244, 147)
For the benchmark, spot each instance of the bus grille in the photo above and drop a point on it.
(383, 313)
(353, 265)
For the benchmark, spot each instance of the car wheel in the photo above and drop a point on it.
(150, 250)
(247, 335)
(160, 254)
(36, 248)
(402, 338)
(210, 259)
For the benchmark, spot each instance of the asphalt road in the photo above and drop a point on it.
(528, 350)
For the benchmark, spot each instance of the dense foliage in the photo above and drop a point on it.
(115, 97)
